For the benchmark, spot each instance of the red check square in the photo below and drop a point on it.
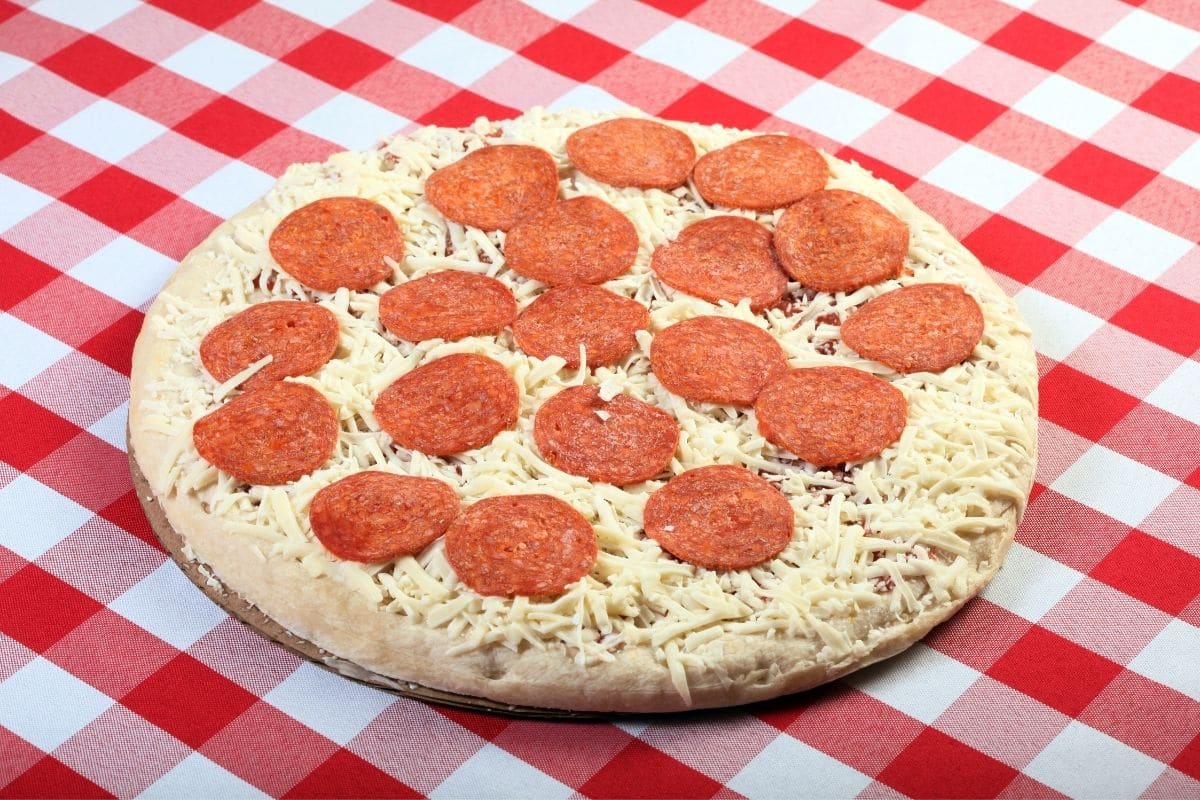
(96, 64)
(189, 700)
(573, 52)
(445, 10)
(710, 106)
(14, 134)
(19, 418)
(1013, 249)
(1188, 761)
(119, 199)
(1038, 41)
(1055, 671)
(463, 109)
(345, 775)
(1164, 317)
(677, 7)
(809, 48)
(51, 778)
(1152, 571)
(1174, 98)
(1100, 174)
(208, 14)
(1082, 404)
(23, 275)
(113, 346)
(935, 765)
(336, 59)
(126, 513)
(640, 770)
(37, 609)
(952, 109)
(229, 127)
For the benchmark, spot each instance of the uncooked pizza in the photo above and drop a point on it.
(589, 411)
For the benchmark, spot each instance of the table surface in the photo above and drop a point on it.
(1057, 138)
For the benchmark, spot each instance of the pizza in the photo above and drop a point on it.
(589, 411)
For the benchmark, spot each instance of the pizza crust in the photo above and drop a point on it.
(750, 667)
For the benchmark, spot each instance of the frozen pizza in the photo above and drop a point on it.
(589, 411)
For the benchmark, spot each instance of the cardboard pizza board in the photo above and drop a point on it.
(273, 631)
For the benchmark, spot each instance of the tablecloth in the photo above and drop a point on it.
(1057, 138)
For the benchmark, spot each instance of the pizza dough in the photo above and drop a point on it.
(880, 551)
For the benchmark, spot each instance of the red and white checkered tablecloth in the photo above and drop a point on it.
(1057, 138)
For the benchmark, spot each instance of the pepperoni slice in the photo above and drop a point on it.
(633, 152)
(581, 240)
(270, 435)
(831, 415)
(621, 441)
(527, 544)
(449, 405)
(723, 258)
(299, 337)
(336, 242)
(839, 241)
(378, 516)
(716, 360)
(925, 328)
(720, 517)
(760, 173)
(495, 187)
(447, 305)
(565, 317)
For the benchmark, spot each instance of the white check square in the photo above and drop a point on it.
(305, 695)
(108, 130)
(1058, 326)
(217, 62)
(1186, 168)
(589, 97)
(112, 427)
(923, 43)
(493, 772)
(27, 351)
(19, 202)
(834, 112)
(1171, 658)
(323, 12)
(196, 776)
(167, 604)
(1180, 392)
(1134, 245)
(772, 774)
(1030, 584)
(921, 682)
(561, 10)
(12, 66)
(1069, 106)
(46, 705)
(230, 189)
(690, 49)
(83, 15)
(455, 55)
(125, 270)
(1083, 762)
(1115, 485)
(985, 179)
(351, 122)
(1152, 39)
(26, 499)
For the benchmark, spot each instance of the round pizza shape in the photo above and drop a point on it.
(550, 435)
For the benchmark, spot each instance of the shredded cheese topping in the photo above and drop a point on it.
(892, 536)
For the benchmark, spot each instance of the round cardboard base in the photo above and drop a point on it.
(270, 629)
